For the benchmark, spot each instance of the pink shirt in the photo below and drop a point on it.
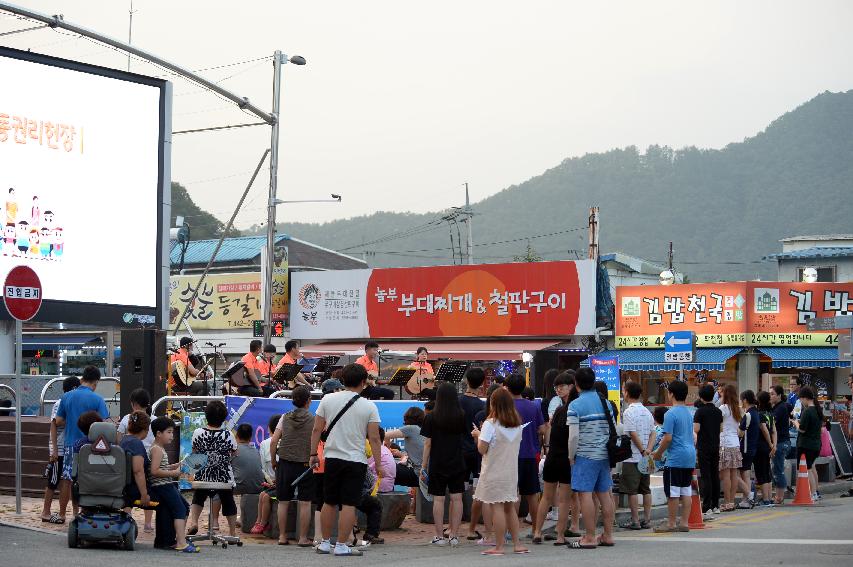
(387, 468)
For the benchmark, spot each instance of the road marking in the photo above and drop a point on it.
(682, 539)
(749, 519)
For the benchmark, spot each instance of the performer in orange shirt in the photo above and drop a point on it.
(369, 362)
(183, 356)
(425, 375)
(252, 371)
(292, 355)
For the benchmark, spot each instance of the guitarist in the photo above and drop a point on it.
(183, 355)
(291, 355)
(369, 362)
(425, 376)
(252, 371)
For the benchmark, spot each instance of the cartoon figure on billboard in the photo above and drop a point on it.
(47, 219)
(44, 243)
(34, 243)
(9, 239)
(11, 206)
(57, 243)
(35, 211)
(23, 238)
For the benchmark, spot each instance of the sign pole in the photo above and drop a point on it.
(681, 371)
(19, 391)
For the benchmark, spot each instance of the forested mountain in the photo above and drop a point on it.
(723, 209)
(202, 224)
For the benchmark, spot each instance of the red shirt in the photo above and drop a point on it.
(369, 365)
(250, 360)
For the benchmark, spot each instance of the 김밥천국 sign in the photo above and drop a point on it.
(519, 299)
(730, 314)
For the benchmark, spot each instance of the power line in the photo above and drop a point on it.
(510, 241)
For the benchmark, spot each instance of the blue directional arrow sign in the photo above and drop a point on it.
(679, 346)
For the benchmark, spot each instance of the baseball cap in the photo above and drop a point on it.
(331, 385)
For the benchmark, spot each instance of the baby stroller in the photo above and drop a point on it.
(102, 470)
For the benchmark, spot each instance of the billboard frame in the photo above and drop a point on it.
(114, 315)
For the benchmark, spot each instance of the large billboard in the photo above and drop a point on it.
(730, 314)
(224, 301)
(84, 174)
(488, 300)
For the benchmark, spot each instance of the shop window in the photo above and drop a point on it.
(824, 274)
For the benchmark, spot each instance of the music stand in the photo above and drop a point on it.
(452, 372)
(326, 363)
(401, 377)
(287, 372)
(231, 372)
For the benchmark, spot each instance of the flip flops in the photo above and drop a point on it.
(629, 525)
(578, 545)
(491, 552)
(477, 535)
(604, 543)
(665, 529)
(188, 548)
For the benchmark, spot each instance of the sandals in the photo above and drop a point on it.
(192, 531)
(477, 535)
(258, 528)
(492, 552)
(54, 519)
(629, 525)
(578, 545)
(604, 543)
(188, 548)
(537, 540)
(571, 533)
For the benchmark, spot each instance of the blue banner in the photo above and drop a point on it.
(607, 370)
(259, 411)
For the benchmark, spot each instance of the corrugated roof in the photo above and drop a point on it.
(232, 250)
(245, 250)
(818, 237)
(814, 252)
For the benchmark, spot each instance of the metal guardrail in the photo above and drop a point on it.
(43, 402)
(315, 394)
(11, 390)
(165, 399)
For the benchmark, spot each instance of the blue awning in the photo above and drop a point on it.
(653, 359)
(56, 342)
(804, 357)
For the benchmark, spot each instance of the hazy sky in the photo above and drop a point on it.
(401, 103)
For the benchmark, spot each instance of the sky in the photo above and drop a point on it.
(401, 103)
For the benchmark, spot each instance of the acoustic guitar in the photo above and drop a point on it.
(180, 375)
(420, 381)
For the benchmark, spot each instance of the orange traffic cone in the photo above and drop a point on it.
(803, 497)
(695, 522)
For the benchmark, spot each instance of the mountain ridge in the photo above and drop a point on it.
(724, 209)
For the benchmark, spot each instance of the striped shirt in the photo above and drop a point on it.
(587, 414)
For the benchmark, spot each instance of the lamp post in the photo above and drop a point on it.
(279, 59)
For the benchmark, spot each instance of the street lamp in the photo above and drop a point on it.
(279, 59)
(809, 275)
(335, 199)
(667, 277)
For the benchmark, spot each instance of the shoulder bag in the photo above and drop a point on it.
(618, 446)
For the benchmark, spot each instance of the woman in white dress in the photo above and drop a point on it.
(498, 443)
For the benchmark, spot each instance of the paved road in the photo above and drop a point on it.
(785, 536)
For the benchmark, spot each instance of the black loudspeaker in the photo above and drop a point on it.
(143, 364)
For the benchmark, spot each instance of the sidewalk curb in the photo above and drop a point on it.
(31, 528)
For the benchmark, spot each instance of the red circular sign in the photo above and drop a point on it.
(22, 293)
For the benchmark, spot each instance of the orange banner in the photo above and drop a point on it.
(730, 314)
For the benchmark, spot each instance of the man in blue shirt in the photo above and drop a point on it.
(680, 460)
(589, 432)
(72, 405)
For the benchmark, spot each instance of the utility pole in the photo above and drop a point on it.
(468, 222)
(593, 233)
(270, 248)
(669, 264)
(129, 33)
